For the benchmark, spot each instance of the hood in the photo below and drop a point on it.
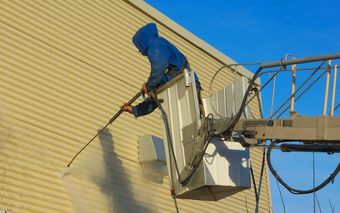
(142, 36)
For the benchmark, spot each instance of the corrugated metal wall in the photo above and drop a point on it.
(66, 67)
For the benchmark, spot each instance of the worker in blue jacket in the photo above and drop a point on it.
(166, 62)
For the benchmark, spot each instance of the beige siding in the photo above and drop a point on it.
(65, 68)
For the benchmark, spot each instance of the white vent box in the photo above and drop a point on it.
(152, 157)
(224, 169)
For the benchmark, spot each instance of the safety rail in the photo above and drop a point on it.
(298, 91)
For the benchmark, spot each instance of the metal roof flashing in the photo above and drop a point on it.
(160, 17)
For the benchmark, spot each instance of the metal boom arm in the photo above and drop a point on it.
(320, 129)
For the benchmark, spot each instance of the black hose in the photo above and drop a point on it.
(185, 180)
(167, 129)
(253, 179)
(260, 181)
(171, 151)
(293, 190)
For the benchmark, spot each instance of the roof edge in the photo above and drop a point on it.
(154, 13)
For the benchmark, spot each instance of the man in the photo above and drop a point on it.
(166, 62)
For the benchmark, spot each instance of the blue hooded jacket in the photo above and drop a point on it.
(161, 53)
(163, 56)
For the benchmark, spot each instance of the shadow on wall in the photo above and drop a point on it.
(115, 183)
(99, 183)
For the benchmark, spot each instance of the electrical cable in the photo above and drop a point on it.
(260, 181)
(330, 204)
(262, 87)
(263, 156)
(253, 179)
(293, 190)
(217, 72)
(271, 113)
(171, 151)
(317, 201)
(210, 90)
(335, 109)
(259, 100)
(273, 96)
(281, 197)
(314, 193)
(337, 106)
(167, 129)
(213, 78)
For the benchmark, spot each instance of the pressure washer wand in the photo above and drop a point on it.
(110, 122)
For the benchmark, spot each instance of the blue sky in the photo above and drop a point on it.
(252, 31)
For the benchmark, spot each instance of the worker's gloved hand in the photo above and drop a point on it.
(144, 90)
(127, 108)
